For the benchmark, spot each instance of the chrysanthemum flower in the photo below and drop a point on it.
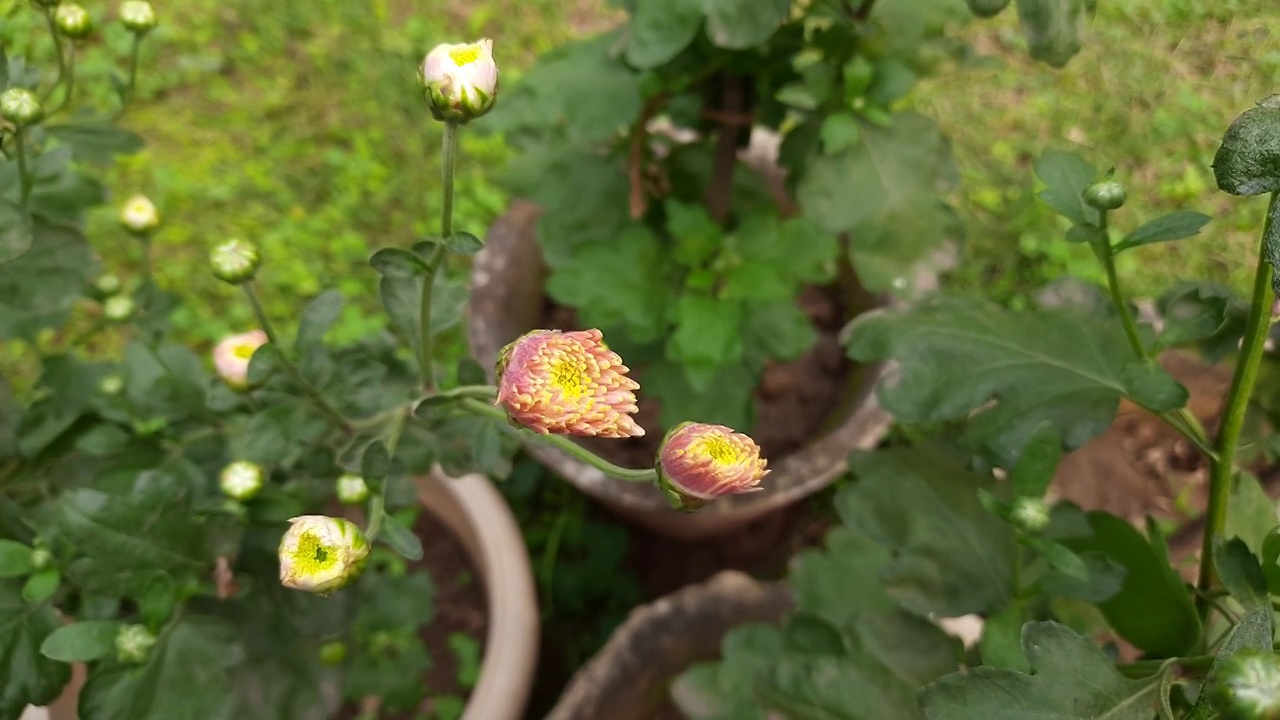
(567, 383)
(698, 463)
(231, 357)
(322, 554)
(461, 80)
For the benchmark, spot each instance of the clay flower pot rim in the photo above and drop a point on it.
(478, 516)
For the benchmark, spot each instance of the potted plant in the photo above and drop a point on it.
(1080, 613)
(751, 165)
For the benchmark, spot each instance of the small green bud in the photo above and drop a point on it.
(73, 21)
(20, 107)
(240, 480)
(137, 16)
(352, 489)
(118, 308)
(133, 644)
(1029, 514)
(41, 558)
(107, 285)
(1105, 195)
(333, 652)
(1248, 687)
(149, 426)
(111, 385)
(235, 261)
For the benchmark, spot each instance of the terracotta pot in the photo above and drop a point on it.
(628, 678)
(507, 300)
(481, 521)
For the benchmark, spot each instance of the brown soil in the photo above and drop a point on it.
(791, 402)
(460, 608)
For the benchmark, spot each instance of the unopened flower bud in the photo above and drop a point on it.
(106, 285)
(137, 16)
(73, 21)
(240, 480)
(118, 308)
(231, 357)
(333, 652)
(134, 643)
(1248, 687)
(461, 81)
(1029, 514)
(20, 107)
(1105, 195)
(698, 463)
(41, 558)
(322, 554)
(567, 383)
(235, 261)
(352, 489)
(139, 216)
(111, 385)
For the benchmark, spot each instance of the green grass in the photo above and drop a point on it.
(1151, 94)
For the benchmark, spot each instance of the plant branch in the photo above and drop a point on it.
(314, 395)
(449, 155)
(635, 161)
(71, 79)
(24, 175)
(378, 503)
(57, 46)
(720, 189)
(1222, 469)
(564, 443)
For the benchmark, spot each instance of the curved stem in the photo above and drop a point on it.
(449, 155)
(564, 443)
(24, 175)
(314, 395)
(57, 46)
(1222, 470)
(71, 79)
(481, 392)
(378, 503)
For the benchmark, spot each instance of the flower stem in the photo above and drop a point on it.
(1182, 419)
(133, 65)
(57, 46)
(314, 395)
(24, 176)
(1222, 469)
(71, 79)
(567, 445)
(449, 155)
(378, 503)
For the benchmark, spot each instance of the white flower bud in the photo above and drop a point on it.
(231, 357)
(20, 107)
(322, 554)
(461, 80)
(240, 480)
(137, 16)
(139, 216)
(134, 643)
(118, 308)
(352, 489)
(73, 21)
(1029, 514)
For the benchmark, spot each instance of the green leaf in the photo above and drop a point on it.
(39, 287)
(318, 317)
(401, 539)
(1152, 610)
(470, 372)
(1037, 462)
(606, 295)
(1241, 573)
(1271, 561)
(395, 603)
(697, 237)
(158, 599)
(725, 690)
(1251, 514)
(397, 263)
(464, 243)
(402, 299)
(187, 669)
(833, 582)
(1073, 680)
(898, 216)
(1248, 162)
(1174, 226)
(777, 330)
(728, 401)
(708, 331)
(1060, 558)
(840, 131)
(958, 354)
(81, 641)
(660, 29)
(1052, 28)
(26, 676)
(375, 463)
(97, 142)
(41, 586)
(1255, 630)
(1194, 312)
(1085, 234)
(16, 231)
(1152, 387)
(949, 555)
(15, 559)
(740, 24)
(1001, 646)
(1103, 579)
(1066, 176)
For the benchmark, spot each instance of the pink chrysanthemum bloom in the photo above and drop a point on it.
(567, 383)
(698, 463)
(232, 354)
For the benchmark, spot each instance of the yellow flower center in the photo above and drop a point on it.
(569, 377)
(313, 556)
(465, 55)
(243, 351)
(717, 448)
